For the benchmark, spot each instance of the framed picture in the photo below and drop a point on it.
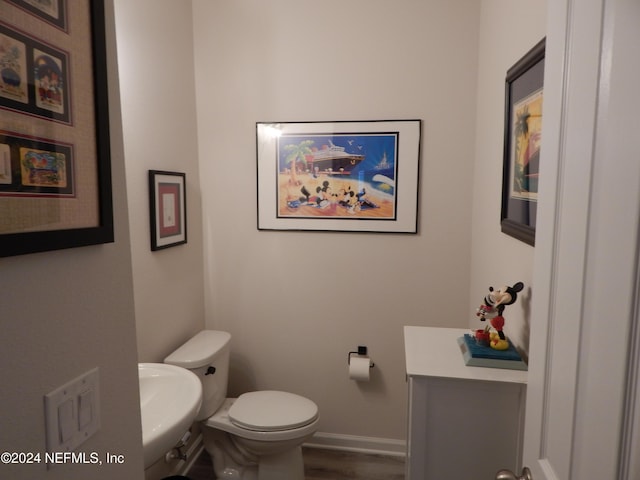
(55, 167)
(338, 176)
(522, 135)
(45, 93)
(168, 209)
(46, 167)
(52, 11)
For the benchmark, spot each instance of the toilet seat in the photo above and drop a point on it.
(272, 411)
(220, 421)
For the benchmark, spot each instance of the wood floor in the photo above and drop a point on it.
(323, 464)
(337, 465)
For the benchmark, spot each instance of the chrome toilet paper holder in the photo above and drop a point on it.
(361, 352)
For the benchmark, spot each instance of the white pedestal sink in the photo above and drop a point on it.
(170, 399)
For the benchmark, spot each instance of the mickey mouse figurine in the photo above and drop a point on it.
(493, 306)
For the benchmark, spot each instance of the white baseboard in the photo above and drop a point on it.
(354, 443)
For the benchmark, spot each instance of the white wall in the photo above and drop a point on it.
(296, 303)
(507, 31)
(64, 313)
(155, 49)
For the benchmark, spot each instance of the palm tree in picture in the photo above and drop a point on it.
(527, 146)
(521, 137)
(297, 154)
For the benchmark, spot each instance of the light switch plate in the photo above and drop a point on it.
(72, 412)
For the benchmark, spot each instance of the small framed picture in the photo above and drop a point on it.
(168, 209)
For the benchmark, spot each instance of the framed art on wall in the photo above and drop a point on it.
(52, 11)
(522, 137)
(359, 176)
(168, 209)
(34, 78)
(55, 167)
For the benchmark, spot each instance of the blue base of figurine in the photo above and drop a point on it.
(476, 355)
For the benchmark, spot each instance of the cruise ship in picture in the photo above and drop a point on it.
(333, 159)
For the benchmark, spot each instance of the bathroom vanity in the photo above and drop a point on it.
(464, 422)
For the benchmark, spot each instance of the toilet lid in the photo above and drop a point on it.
(269, 411)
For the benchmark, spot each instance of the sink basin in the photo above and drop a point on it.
(170, 399)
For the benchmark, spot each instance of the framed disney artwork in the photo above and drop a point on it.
(338, 176)
(55, 166)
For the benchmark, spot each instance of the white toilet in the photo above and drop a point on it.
(257, 436)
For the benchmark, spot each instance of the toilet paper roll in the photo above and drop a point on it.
(359, 368)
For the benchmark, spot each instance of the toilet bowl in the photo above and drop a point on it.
(257, 436)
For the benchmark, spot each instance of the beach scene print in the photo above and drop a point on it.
(337, 176)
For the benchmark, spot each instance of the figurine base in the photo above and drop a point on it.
(476, 355)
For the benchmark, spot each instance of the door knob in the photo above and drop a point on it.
(509, 475)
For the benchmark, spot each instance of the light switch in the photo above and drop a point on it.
(72, 412)
(85, 407)
(66, 425)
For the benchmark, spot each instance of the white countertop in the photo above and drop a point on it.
(434, 352)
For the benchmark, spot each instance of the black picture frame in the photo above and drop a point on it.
(55, 12)
(339, 176)
(94, 77)
(522, 131)
(167, 209)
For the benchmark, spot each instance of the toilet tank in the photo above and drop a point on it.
(207, 355)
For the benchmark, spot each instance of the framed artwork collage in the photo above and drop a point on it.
(55, 172)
